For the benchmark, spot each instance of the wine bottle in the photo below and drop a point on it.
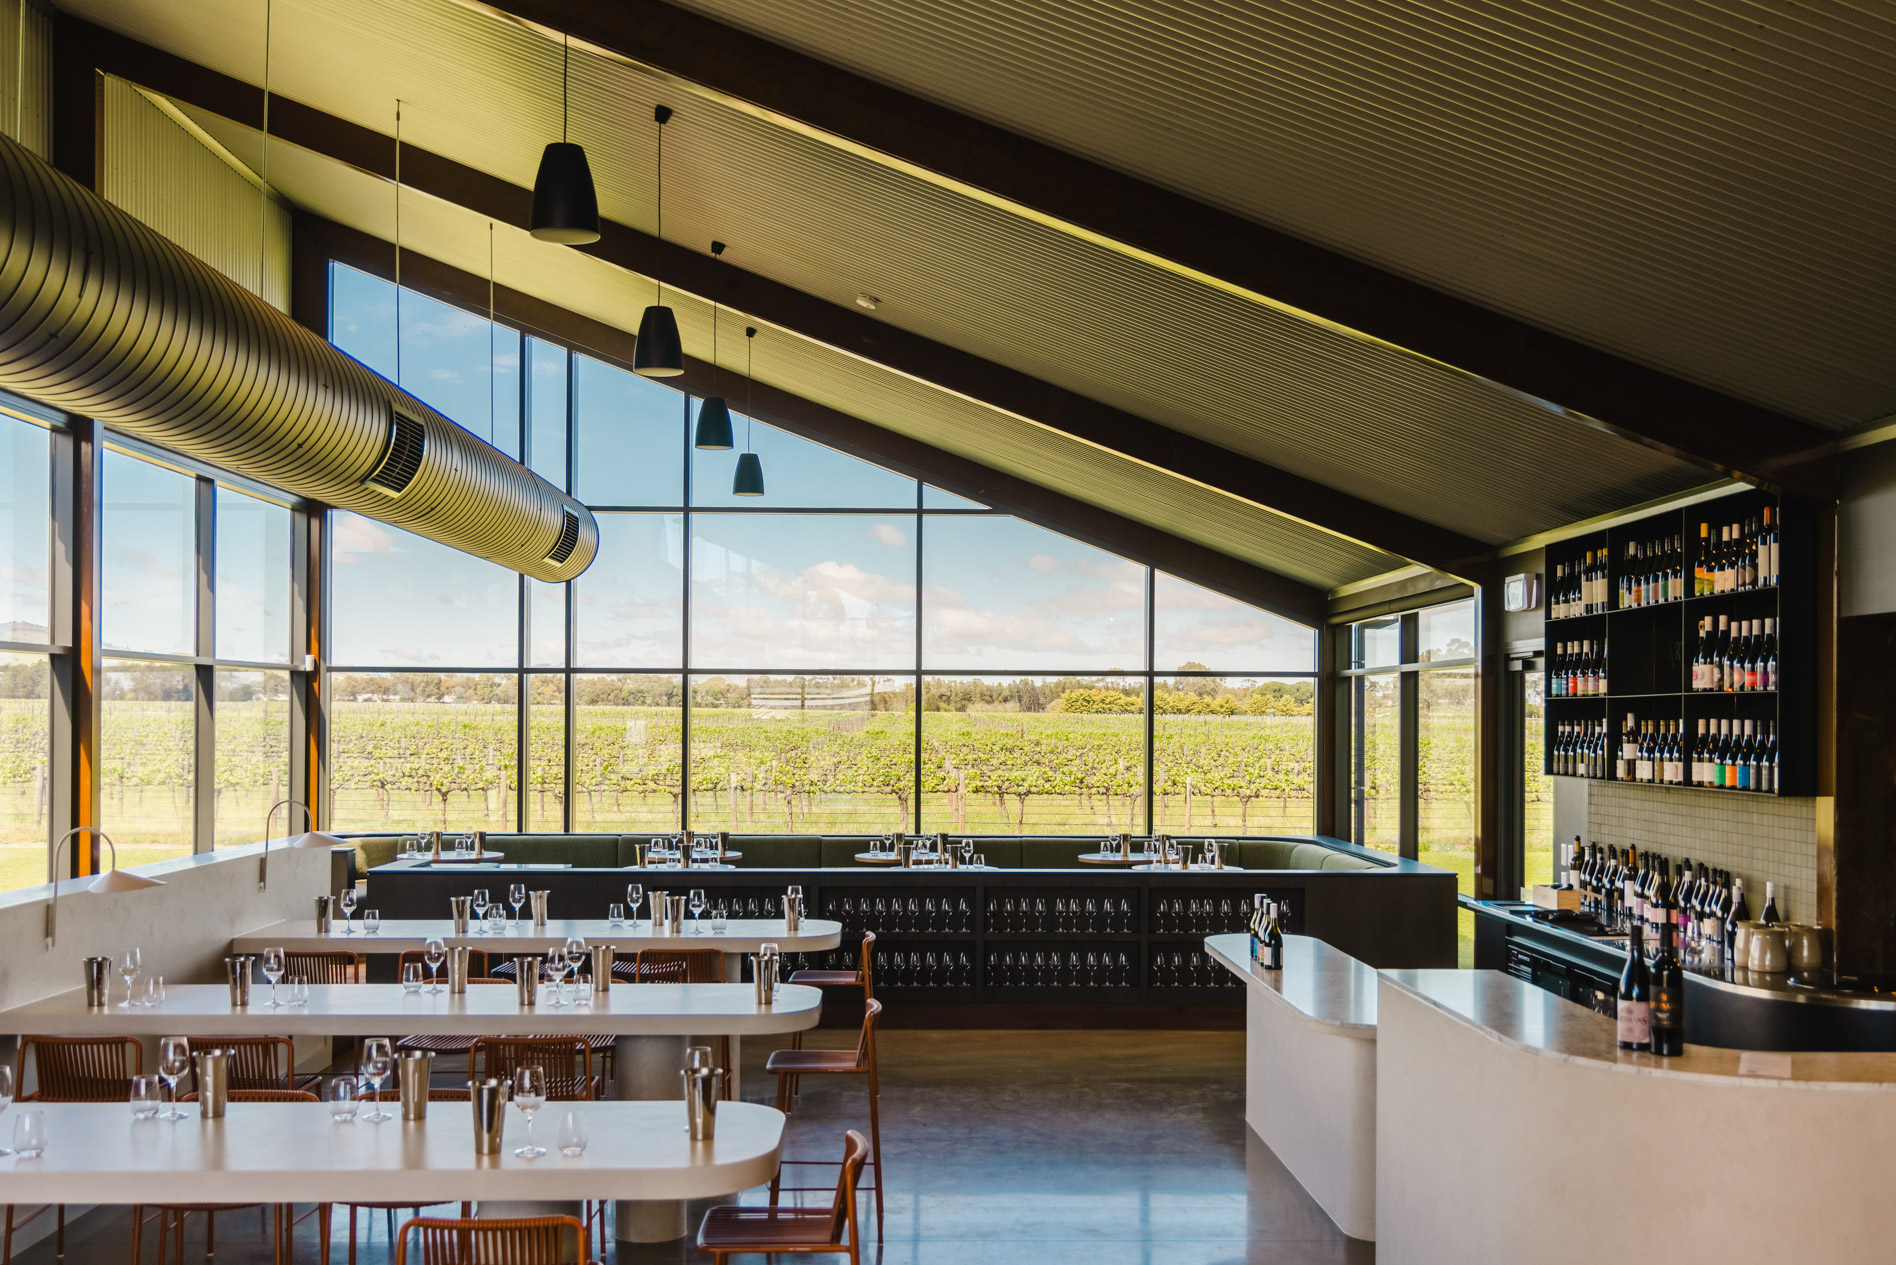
(1273, 940)
(1768, 657)
(1257, 927)
(1666, 1011)
(1701, 585)
(1770, 915)
(1634, 1017)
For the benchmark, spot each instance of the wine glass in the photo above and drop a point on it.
(174, 1060)
(348, 903)
(273, 971)
(517, 896)
(130, 963)
(434, 953)
(529, 1095)
(479, 904)
(378, 1060)
(634, 897)
(552, 971)
(697, 903)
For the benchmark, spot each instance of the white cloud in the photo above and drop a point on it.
(889, 534)
(1041, 564)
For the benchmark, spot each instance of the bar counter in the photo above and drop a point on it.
(1510, 1126)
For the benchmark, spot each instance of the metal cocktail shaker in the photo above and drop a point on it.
(323, 906)
(765, 965)
(237, 972)
(213, 1082)
(603, 956)
(1125, 846)
(527, 979)
(674, 915)
(539, 900)
(98, 981)
(701, 1102)
(460, 908)
(459, 956)
(489, 1100)
(660, 901)
(412, 1071)
(792, 911)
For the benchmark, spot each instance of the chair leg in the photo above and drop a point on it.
(59, 1237)
(352, 1234)
(210, 1234)
(875, 1152)
(138, 1225)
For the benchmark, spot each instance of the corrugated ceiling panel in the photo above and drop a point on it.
(155, 169)
(823, 375)
(1355, 415)
(1706, 187)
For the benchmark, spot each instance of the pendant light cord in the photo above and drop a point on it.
(398, 241)
(19, 80)
(490, 332)
(661, 114)
(566, 64)
(263, 167)
(750, 344)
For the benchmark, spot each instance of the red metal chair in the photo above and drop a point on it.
(789, 1065)
(862, 977)
(502, 1241)
(733, 1230)
(71, 1069)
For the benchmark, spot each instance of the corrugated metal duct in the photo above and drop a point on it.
(104, 317)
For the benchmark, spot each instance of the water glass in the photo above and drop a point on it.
(411, 977)
(371, 920)
(615, 915)
(572, 1138)
(299, 991)
(980, 860)
(147, 1096)
(720, 918)
(29, 1134)
(154, 991)
(582, 991)
(342, 1099)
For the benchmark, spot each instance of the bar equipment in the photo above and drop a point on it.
(674, 915)
(793, 911)
(98, 972)
(660, 902)
(602, 959)
(700, 1082)
(685, 847)
(527, 978)
(1125, 846)
(539, 900)
(459, 957)
(766, 965)
(237, 972)
(489, 1101)
(323, 906)
(412, 1071)
(460, 907)
(724, 844)
(213, 1082)
(434, 846)
(638, 859)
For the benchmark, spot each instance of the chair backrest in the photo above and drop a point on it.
(80, 1069)
(702, 966)
(476, 962)
(328, 967)
(633, 972)
(435, 1094)
(501, 1241)
(866, 1044)
(864, 967)
(255, 1062)
(843, 1211)
(261, 1095)
(567, 1062)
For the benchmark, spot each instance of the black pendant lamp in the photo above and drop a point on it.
(714, 415)
(565, 209)
(659, 353)
(750, 471)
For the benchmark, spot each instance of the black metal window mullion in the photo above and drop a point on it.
(204, 737)
(1151, 693)
(684, 637)
(916, 692)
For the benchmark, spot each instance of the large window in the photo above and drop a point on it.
(850, 652)
(25, 678)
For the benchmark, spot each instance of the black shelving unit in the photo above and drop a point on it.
(1649, 649)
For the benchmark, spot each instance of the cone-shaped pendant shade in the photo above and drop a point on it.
(750, 476)
(714, 425)
(658, 353)
(565, 209)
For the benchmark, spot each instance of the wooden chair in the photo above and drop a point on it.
(70, 1069)
(788, 1065)
(325, 967)
(171, 1217)
(734, 1230)
(442, 1094)
(700, 966)
(502, 1241)
(862, 977)
(257, 1062)
(567, 1062)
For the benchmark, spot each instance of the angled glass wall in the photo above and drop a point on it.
(851, 652)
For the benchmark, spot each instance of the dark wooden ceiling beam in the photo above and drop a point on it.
(1638, 403)
(831, 324)
(316, 240)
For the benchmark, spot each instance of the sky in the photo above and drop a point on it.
(777, 591)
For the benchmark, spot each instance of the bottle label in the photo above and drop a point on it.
(1635, 1023)
(1666, 1009)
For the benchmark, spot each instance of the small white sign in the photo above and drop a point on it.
(1763, 1063)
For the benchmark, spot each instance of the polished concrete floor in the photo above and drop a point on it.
(1042, 1148)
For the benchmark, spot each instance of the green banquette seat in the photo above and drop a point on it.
(588, 851)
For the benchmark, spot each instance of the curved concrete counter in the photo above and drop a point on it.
(1310, 1070)
(1504, 1112)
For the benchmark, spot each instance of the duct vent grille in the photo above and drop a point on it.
(569, 537)
(401, 459)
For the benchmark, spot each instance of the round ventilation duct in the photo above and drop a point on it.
(104, 317)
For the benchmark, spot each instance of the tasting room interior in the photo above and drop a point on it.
(915, 631)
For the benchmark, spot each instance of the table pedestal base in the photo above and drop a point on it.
(647, 1068)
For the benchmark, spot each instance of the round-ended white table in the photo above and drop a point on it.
(652, 1024)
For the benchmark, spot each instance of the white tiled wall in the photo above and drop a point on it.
(1756, 837)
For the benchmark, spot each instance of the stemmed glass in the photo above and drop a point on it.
(517, 896)
(348, 903)
(434, 953)
(479, 904)
(273, 971)
(130, 963)
(378, 1060)
(529, 1095)
(697, 903)
(634, 896)
(174, 1060)
(552, 971)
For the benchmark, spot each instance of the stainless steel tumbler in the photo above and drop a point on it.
(489, 1100)
(539, 900)
(237, 974)
(701, 1102)
(412, 1071)
(213, 1082)
(460, 908)
(527, 979)
(459, 956)
(323, 906)
(98, 981)
(603, 956)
